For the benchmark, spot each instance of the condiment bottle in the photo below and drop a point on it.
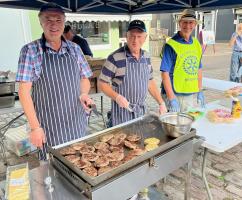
(236, 109)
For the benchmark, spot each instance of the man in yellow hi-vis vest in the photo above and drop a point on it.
(181, 67)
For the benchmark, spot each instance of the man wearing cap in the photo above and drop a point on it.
(56, 73)
(70, 35)
(181, 67)
(236, 58)
(126, 77)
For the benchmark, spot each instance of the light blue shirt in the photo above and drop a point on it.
(238, 43)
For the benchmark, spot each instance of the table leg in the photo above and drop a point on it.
(188, 168)
(204, 174)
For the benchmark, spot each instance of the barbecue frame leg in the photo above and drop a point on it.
(3, 150)
(204, 174)
(188, 168)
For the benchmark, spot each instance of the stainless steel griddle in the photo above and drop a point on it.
(135, 174)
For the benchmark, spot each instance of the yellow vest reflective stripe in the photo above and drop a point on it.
(185, 75)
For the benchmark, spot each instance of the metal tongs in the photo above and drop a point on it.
(93, 108)
(130, 107)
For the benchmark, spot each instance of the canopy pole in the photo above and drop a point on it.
(215, 26)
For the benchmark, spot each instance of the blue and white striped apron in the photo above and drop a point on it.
(134, 88)
(56, 100)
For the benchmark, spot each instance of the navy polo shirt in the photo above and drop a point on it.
(169, 58)
(83, 44)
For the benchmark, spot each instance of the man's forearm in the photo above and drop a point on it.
(85, 85)
(107, 90)
(167, 85)
(27, 104)
(154, 92)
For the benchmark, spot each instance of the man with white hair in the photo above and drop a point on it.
(127, 77)
(236, 59)
(181, 67)
(54, 85)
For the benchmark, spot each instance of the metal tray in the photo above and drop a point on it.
(148, 126)
(7, 88)
(7, 101)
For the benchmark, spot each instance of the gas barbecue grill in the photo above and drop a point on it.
(127, 179)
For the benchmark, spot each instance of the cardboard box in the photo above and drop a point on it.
(96, 62)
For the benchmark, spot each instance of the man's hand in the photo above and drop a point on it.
(86, 101)
(37, 137)
(162, 108)
(201, 99)
(174, 105)
(122, 101)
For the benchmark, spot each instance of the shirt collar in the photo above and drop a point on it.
(128, 53)
(181, 39)
(64, 45)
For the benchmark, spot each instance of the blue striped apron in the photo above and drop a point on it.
(56, 100)
(134, 88)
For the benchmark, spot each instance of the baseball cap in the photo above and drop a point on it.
(188, 14)
(51, 7)
(137, 24)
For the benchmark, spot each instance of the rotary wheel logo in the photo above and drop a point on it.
(190, 65)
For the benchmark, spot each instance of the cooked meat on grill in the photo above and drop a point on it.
(118, 155)
(101, 162)
(111, 157)
(104, 169)
(91, 156)
(67, 151)
(87, 149)
(130, 145)
(114, 164)
(133, 138)
(77, 146)
(106, 138)
(91, 171)
(137, 151)
(73, 158)
(101, 145)
(129, 157)
(116, 141)
(117, 148)
(122, 136)
(103, 152)
(115, 156)
(83, 164)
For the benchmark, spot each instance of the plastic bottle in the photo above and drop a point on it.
(236, 109)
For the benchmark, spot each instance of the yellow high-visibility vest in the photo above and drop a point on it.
(185, 75)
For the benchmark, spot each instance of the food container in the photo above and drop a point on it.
(17, 183)
(7, 101)
(176, 124)
(17, 141)
(7, 88)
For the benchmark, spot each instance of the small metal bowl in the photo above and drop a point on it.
(176, 124)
